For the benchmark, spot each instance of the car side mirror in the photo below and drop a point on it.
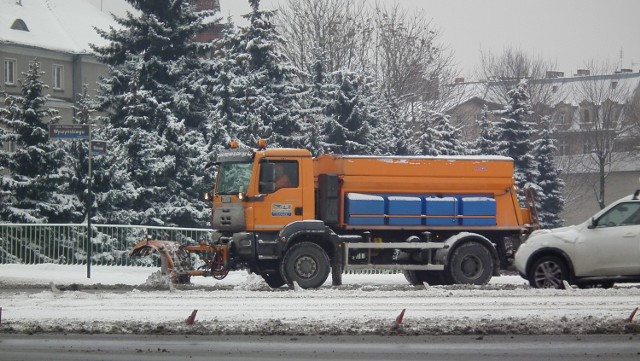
(593, 224)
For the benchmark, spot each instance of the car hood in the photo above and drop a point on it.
(567, 234)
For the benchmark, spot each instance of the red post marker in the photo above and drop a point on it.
(192, 319)
(629, 320)
(0, 315)
(400, 317)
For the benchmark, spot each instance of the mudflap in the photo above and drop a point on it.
(174, 260)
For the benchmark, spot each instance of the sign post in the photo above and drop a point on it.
(79, 132)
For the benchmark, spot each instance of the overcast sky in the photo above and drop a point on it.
(569, 33)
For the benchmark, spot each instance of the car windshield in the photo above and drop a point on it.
(234, 178)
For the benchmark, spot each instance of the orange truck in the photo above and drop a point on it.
(439, 220)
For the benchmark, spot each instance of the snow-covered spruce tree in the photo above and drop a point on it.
(487, 142)
(353, 113)
(158, 114)
(33, 186)
(549, 199)
(515, 134)
(76, 165)
(258, 89)
(437, 135)
(394, 135)
(315, 105)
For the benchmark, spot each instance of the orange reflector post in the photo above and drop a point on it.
(262, 144)
(234, 144)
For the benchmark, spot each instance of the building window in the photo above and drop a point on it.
(614, 84)
(563, 147)
(58, 77)
(586, 116)
(586, 147)
(9, 146)
(561, 119)
(10, 71)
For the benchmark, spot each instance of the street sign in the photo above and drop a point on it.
(98, 147)
(69, 131)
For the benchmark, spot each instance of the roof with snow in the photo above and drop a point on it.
(564, 88)
(59, 25)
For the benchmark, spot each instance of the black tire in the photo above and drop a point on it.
(412, 278)
(306, 264)
(432, 278)
(603, 284)
(548, 272)
(274, 280)
(336, 272)
(470, 263)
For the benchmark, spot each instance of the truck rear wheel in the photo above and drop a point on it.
(471, 263)
(432, 278)
(306, 264)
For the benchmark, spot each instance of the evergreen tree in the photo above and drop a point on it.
(487, 142)
(352, 113)
(515, 133)
(76, 167)
(549, 199)
(438, 136)
(394, 132)
(257, 87)
(314, 111)
(33, 185)
(157, 127)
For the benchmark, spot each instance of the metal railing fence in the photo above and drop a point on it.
(67, 243)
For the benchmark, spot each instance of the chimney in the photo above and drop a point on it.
(552, 74)
(626, 70)
(584, 72)
(458, 80)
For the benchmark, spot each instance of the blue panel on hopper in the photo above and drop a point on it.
(364, 204)
(446, 206)
(478, 206)
(404, 206)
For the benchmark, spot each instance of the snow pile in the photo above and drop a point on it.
(253, 282)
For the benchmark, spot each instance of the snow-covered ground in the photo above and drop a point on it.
(138, 300)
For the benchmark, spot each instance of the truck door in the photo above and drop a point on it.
(282, 205)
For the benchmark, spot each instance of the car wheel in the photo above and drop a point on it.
(548, 272)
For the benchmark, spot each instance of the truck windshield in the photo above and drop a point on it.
(234, 178)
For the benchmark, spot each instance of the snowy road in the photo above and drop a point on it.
(243, 304)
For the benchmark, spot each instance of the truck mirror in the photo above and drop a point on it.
(207, 197)
(267, 178)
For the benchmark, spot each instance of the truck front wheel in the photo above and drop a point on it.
(306, 264)
(471, 263)
(274, 280)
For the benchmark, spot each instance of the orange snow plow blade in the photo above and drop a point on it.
(176, 261)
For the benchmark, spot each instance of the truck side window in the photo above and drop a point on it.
(287, 175)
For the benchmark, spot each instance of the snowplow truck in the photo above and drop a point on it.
(439, 220)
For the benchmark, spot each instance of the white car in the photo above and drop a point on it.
(599, 252)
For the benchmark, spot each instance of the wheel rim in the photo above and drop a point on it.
(471, 267)
(306, 266)
(548, 275)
